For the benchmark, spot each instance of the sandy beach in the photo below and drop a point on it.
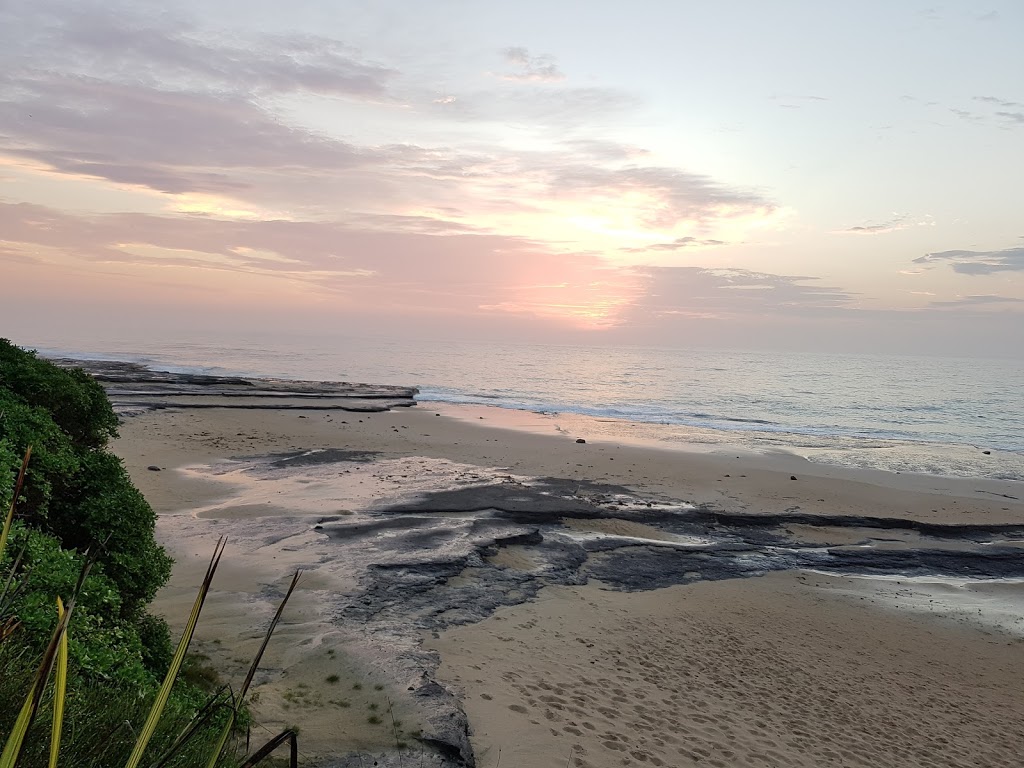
(788, 668)
(619, 384)
(757, 672)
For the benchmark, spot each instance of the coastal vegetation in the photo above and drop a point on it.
(88, 677)
(76, 495)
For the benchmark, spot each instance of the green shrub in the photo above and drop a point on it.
(78, 495)
(76, 402)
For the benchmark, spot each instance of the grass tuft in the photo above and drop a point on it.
(179, 657)
(237, 701)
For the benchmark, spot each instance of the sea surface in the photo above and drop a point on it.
(914, 414)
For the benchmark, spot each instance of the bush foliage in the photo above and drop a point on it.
(78, 514)
(78, 495)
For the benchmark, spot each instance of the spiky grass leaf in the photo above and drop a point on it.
(264, 752)
(8, 626)
(14, 501)
(222, 698)
(215, 756)
(60, 687)
(13, 588)
(16, 740)
(179, 656)
(266, 638)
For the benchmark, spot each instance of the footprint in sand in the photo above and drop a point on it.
(518, 708)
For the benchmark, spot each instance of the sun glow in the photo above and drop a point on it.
(594, 298)
(595, 243)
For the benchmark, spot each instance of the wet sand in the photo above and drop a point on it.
(530, 444)
(772, 670)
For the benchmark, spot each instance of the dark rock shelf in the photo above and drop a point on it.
(133, 389)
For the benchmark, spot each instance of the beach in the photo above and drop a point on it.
(564, 385)
(768, 671)
(478, 571)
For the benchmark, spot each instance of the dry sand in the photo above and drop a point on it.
(768, 671)
(753, 672)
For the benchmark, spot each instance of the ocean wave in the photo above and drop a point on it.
(656, 414)
(763, 399)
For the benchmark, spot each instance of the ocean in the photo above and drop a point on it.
(944, 416)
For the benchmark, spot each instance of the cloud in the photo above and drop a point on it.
(895, 224)
(168, 141)
(150, 100)
(602, 150)
(113, 92)
(999, 102)
(678, 244)
(403, 265)
(964, 114)
(10, 256)
(556, 184)
(533, 69)
(676, 195)
(125, 44)
(892, 225)
(407, 266)
(1005, 112)
(795, 101)
(978, 262)
(140, 96)
(976, 301)
(555, 107)
(724, 293)
(188, 143)
(1016, 118)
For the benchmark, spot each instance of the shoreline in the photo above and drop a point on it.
(852, 452)
(755, 483)
(759, 483)
(417, 553)
(672, 439)
(136, 388)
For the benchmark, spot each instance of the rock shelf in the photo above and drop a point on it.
(134, 388)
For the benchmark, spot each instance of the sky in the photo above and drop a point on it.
(799, 174)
